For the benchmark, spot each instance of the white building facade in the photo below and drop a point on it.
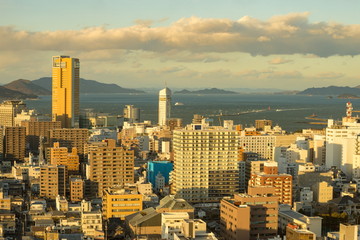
(164, 105)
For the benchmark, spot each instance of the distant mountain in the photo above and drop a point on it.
(9, 94)
(206, 91)
(27, 87)
(289, 92)
(89, 86)
(331, 90)
(184, 91)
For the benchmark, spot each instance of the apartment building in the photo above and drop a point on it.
(15, 143)
(270, 177)
(205, 163)
(250, 216)
(111, 166)
(53, 180)
(61, 156)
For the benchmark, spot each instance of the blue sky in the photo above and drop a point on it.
(273, 44)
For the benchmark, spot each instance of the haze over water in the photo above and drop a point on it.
(289, 111)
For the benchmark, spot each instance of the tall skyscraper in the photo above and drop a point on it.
(164, 105)
(65, 90)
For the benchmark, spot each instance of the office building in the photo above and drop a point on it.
(155, 167)
(250, 216)
(65, 90)
(8, 111)
(206, 165)
(164, 105)
(341, 142)
(260, 124)
(119, 203)
(15, 143)
(263, 145)
(53, 181)
(131, 114)
(111, 166)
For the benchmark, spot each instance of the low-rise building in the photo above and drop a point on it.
(346, 231)
(323, 192)
(289, 216)
(92, 225)
(293, 232)
(150, 221)
(118, 203)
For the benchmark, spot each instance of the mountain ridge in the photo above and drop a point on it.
(89, 86)
(206, 91)
(9, 94)
(27, 87)
(330, 90)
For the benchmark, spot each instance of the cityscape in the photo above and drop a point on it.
(236, 120)
(82, 175)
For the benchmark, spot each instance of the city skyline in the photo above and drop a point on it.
(230, 44)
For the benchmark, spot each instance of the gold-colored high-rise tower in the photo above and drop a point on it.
(65, 90)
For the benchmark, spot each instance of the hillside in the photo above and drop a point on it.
(9, 94)
(331, 90)
(89, 86)
(27, 87)
(206, 91)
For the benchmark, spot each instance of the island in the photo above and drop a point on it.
(348, 96)
(206, 91)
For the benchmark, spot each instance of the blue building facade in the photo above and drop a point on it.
(154, 167)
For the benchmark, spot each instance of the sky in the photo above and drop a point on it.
(290, 45)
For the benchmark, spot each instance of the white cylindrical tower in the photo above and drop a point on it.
(164, 105)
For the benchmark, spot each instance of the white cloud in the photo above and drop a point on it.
(286, 34)
(329, 75)
(279, 60)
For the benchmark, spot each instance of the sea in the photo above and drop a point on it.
(287, 111)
